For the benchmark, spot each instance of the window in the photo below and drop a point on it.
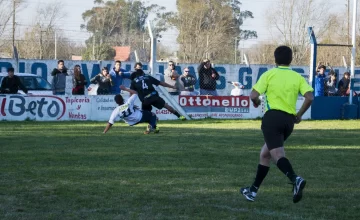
(35, 83)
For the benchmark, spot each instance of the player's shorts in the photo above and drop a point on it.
(276, 127)
(155, 101)
(146, 117)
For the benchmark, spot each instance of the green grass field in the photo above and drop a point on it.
(190, 170)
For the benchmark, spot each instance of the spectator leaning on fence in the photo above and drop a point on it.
(187, 83)
(207, 77)
(79, 82)
(58, 82)
(331, 84)
(344, 85)
(117, 75)
(104, 81)
(11, 83)
(171, 77)
(320, 79)
(327, 79)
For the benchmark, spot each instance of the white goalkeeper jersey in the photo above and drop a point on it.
(128, 112)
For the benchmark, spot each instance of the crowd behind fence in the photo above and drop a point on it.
(196, 79)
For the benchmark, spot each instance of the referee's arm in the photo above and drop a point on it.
(254, 96)
(259, 88)
(309, 97)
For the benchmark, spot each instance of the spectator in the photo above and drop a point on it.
(208, 77)
(138, 65)
(187, 83)
(171, 77)
(58, 82)
(104, 81)
(344, 85)
(117, 75)
(79, 82)
(320, 79)
(331, 84)
(11, 83)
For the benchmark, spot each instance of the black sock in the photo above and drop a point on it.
(176, 113)
(284, 165)
(260, 176)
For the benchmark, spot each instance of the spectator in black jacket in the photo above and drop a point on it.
(105, 82)
(12, 83)
(344, 85)
(207, 77)
(58, 82)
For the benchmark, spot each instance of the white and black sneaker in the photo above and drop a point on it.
(298, 187)
(249, 195)
(149, 129)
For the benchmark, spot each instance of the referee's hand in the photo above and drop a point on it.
(297, 119)
(256, 103)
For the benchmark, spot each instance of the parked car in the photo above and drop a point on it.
(35, 84)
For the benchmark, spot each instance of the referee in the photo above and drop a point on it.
(281, 87)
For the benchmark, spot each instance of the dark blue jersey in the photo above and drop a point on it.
(143, 85)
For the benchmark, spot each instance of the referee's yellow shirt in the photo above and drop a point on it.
(282, 86)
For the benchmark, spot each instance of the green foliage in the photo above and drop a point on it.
(190, 170)
(102, 52)
(121, 22)
(210, 29)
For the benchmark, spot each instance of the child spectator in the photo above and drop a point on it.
(331, 85)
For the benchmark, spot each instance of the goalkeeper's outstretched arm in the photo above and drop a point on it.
(108, 126)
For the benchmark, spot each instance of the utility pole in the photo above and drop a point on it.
(93, 49)
(40, 42)
(55, 46)
(235, 50)
(353, 51)
(348, 22)
(207, 47)
(143, 46)
(13, 28)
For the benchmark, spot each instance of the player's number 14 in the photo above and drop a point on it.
(144, 86)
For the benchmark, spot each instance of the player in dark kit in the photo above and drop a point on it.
(282, 87)
(144, 85)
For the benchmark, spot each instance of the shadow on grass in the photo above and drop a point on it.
(219, 134)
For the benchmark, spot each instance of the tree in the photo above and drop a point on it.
(210, 28)
(262, 53)
(6, 13)
(101, 52)
(334, 34)
(288, 21)
(39, 39)
(118, 23)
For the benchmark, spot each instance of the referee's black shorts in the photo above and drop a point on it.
(276, 127)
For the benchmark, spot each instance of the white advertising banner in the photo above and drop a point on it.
(99, 108)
